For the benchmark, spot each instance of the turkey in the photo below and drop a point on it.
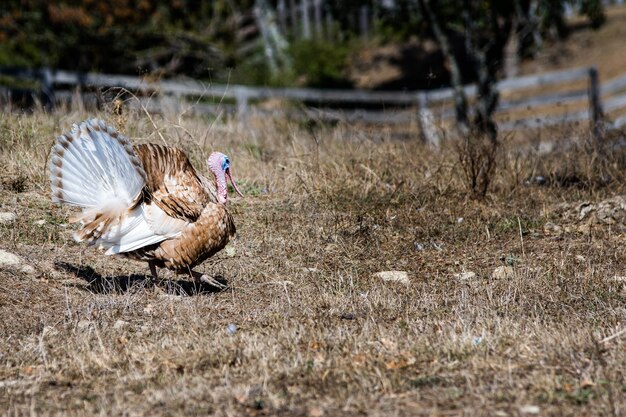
(144, 202)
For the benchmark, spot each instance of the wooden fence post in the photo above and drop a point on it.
(426, 121)
(47, 89)
(595, 106)
(241, 97)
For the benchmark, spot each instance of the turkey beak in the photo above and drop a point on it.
(232, 181)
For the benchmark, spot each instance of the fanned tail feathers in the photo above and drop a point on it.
(95, 167)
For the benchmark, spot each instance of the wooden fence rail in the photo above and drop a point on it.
(432, 105)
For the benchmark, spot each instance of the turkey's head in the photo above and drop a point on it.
(219, 165)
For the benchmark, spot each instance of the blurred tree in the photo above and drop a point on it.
(203, 39)
(594, 10)
(120, 36)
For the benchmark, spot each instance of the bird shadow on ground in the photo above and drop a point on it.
(121, 284)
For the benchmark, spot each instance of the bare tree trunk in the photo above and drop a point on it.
(281, 11)
(319, 33)
(328, 22)
(460, 100)
(487, 93)
(274, 43)
(363, 21)
(306, 24)
(293, 16)
(512, 50)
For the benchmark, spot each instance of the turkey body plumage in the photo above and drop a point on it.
(144, 202)
(174, 186)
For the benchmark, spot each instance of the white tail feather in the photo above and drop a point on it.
(95, 167)
(144, 225)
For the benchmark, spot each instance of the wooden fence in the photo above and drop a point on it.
(427, 108)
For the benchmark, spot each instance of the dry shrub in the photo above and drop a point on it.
(477, 154)
(585, 164)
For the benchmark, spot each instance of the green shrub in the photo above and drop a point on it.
(321, 63)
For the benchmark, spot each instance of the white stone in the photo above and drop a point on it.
(8, 259)
(465, 276)
(529, 409)
(7, 217)
(230, 251)
(27, 269)
(83, 324)
(502, 272)
(393, 276)
(120, 324)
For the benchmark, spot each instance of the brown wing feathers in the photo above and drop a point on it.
(172, 182)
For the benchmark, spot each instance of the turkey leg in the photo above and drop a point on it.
(153, 270)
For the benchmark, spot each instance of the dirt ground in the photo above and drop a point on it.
(514, 304)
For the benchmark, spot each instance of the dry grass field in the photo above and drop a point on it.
(514, 305)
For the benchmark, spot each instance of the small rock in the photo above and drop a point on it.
(8, 259)
(617, 279)
(477, 340)
(316, 412)
(551, 228)
(230, 251)
(39, 222)
(120, 324)
(465, 276)
(502, 272)
(459, 220)
(584, 209)
(393, 276)
(83, 325)
(7, 217)
(438, 246)
(348, 316)
(231, 328)
(418, 246)
(28, 269)
(529, 409)
(170, 296)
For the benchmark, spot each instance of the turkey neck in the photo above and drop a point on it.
(208, 186)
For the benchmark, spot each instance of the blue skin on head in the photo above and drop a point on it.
(225, 163)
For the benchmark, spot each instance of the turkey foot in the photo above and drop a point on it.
(207, 280)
